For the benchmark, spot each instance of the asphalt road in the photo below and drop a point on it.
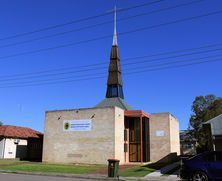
(20, 177)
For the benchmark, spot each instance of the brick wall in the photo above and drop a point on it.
(105, 140)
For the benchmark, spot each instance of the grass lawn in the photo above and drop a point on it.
(25, 166)
(50, 168)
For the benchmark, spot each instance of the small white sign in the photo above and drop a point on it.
(160, 133)
(77, 125)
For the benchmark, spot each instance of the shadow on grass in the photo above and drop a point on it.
(155, 165)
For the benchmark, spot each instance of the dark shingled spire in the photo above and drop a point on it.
(114, 92)
(114, 82)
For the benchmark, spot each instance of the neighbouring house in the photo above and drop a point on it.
(111, 129)
(187, 143)
(214, 127)
(20, 143)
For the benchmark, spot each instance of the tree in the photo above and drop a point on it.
(204, 108)
(1, 123)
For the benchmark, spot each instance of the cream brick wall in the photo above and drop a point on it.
(163, 145)
(119, 135)
(174, 135)
(159, 145)
(90, 147)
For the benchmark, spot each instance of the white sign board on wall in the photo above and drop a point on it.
(77, 125)
(160, 133)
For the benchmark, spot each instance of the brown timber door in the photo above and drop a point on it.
(134, 152)
(134, 140)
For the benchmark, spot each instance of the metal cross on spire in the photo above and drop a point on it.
(114, 34)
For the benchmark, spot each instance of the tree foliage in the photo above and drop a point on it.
(204, 108)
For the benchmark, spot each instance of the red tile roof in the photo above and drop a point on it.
(18, 132)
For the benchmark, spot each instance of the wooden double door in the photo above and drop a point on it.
(133, 124)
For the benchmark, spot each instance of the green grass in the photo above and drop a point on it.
(48, 168)
(137, 171)
(25, 166)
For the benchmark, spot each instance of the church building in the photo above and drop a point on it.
(111, 129)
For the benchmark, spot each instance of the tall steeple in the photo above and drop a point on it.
(114, 82)
(114, 92)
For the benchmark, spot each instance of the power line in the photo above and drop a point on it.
(177, 66)
(126, 64)
(55, 47)
(104, 67)
(61, 78)
(175, 51)
(108, 36)
(55, 74)
(160, 10)
(177, 61)
(77, 21)
(172, 22)
(54, 35)
(99, 77)
(131, 68)
(98, 24)
(175, 56)
(97, 65)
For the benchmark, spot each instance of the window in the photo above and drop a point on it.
(114, 91)
(214, 157)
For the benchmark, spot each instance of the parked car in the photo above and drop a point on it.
(202, 167)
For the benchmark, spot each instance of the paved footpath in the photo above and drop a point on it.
(160, 178)
(25, 177)
(9, 176)
(21, 177)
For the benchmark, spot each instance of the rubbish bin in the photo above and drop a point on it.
(113, 168)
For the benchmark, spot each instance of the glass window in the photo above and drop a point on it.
(214, 157)
(219, 156)
(114, 91)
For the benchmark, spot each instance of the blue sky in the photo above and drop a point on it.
(164, 90)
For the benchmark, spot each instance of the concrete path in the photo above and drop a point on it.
(161, 178)
(159, 173)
